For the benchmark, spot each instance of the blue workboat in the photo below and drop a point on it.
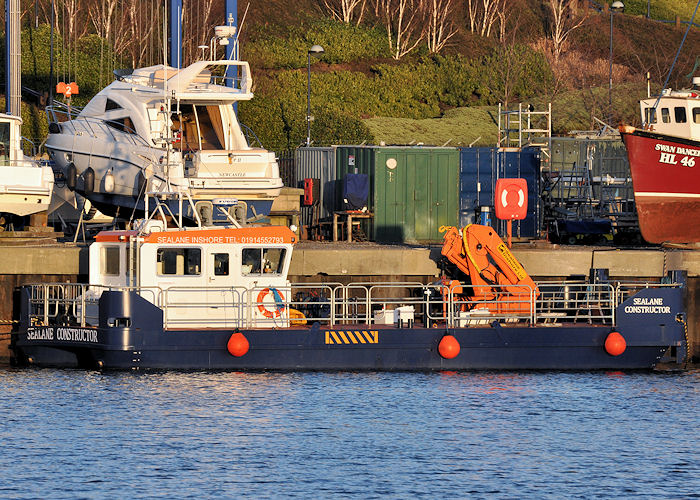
(219, 298)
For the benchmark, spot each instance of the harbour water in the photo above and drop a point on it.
(76, 434)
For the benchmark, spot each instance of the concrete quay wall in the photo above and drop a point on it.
(315, 262)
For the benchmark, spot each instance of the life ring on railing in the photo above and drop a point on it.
(279, 303)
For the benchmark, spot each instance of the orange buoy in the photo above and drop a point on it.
(448, 347)
(615, 344)
(238, 345)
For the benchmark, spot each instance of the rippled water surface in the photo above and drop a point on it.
(75, 434)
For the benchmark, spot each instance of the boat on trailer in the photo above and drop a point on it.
(219, 298)
(163, 129)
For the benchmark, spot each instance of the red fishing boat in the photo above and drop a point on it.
(664, 158)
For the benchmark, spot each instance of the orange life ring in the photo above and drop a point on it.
(279, 305)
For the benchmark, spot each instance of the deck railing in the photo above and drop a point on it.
(339, 304)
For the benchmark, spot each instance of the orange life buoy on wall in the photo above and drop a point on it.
(279, 303)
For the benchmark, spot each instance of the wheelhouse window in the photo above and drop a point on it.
(109, 261)
(221, 264)
(179, 261)
(696, 115)
(649, 115)
(680, 115)
(665, 115)
(262, 261)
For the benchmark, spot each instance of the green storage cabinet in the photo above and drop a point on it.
(413, 190)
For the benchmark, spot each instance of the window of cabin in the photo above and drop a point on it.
(262, 261)
(111, 105)
(122, 124)
(696, 115)
(649, 115)
(198, 127)
(109, 261)
(679, 112)
(250, 258)
(665, 115)
(179, 261)
(221, 264)
(211, 127)
(273, 260)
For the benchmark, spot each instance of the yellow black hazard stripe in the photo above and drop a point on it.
(352, 337)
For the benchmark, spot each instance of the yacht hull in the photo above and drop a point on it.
(126, 199)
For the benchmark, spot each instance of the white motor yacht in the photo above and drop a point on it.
(166, 130)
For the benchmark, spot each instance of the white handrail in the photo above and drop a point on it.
(336, 303)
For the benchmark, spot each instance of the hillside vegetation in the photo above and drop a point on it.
(361, 92)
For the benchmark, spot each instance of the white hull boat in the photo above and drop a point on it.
(165, 130)
(25, 185)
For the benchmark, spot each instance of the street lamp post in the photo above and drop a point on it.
(315, 50)
(614, 7)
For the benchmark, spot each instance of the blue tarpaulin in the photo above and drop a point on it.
(355, 191)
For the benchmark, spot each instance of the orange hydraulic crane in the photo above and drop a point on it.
(497, 278)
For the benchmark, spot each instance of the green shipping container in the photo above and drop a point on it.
(413, 191)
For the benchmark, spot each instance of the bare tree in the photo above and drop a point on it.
(197, 28)
(346, 10)
(439, 27)
(402, 20)
(101, 15)
(564, 22)
(121, 40)
(483, 14)
(508, 69)
(73, 19)
(504, 15)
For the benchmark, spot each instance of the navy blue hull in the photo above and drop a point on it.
(561, 348)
